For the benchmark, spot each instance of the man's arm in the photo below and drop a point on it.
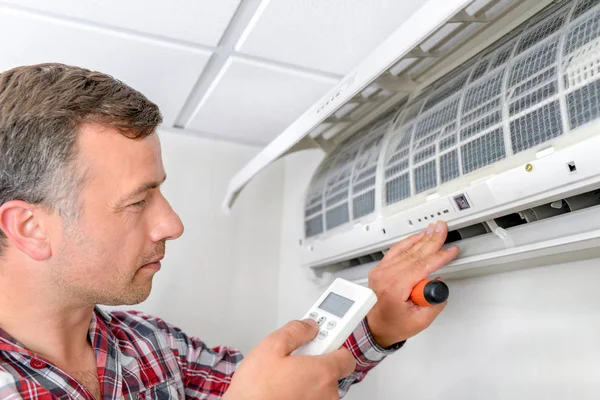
(269, 372)
(367, 353)
(208, 371)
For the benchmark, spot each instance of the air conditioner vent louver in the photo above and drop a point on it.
(507, 222)
(535, 84)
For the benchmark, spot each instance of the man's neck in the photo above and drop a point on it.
(43, 325)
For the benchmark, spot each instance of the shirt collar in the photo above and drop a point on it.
(105, 315)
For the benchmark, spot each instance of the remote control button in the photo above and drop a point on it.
(321, 320)
(313, 315)
(331, 325)
(323, 335)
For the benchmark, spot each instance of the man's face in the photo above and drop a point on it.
(108, 256)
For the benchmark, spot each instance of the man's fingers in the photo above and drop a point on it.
(423, 257)
(404, 245)
(432, 241)
(421, 244)
(291, 336)
(435, 261)
(340, 362)
(421, 269)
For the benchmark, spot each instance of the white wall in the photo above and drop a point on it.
(219, 280)
(530, 334)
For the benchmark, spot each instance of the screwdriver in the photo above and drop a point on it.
(429, 292)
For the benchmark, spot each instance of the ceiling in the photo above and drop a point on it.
(235, 70)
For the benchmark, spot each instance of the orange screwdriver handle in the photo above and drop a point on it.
(429, 293)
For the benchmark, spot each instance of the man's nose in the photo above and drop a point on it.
(168, 225)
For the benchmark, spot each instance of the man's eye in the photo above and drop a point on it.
(140, 203)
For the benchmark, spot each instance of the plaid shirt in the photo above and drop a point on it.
(142, 357)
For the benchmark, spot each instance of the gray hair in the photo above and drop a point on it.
(41, 109)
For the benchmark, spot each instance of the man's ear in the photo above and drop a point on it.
(23, 224)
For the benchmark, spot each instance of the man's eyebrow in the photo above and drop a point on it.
(145, 187)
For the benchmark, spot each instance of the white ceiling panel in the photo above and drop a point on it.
(164, 73)
(197, 21)
(332, 35)
(255, 102)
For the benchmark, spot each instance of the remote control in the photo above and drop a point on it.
(338, 312)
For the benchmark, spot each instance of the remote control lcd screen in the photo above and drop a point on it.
(336, 304)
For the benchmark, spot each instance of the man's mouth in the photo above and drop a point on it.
(155, 264)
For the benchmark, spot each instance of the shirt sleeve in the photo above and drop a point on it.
(367, 353)
(208, 371)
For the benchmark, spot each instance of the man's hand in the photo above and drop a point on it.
(270, 372)
(395, 317)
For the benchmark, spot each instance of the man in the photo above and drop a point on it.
(83, 222)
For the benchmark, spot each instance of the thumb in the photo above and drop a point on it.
(340, 363)
(291, 336)
(429, 314)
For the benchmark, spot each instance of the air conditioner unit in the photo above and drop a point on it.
(485, 114)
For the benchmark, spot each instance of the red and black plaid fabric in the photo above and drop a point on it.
(143, 357)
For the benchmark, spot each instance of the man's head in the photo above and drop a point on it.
(80, 169)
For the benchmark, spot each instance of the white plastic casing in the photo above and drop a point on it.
(334, 330)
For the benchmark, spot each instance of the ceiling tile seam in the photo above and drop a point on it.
(218, 63)
(212, 136)
(105, 28)
(286, 67)
(216, 68)
(206, 84)
(224, 50)
(158, 39)
(239, 24)
(251, 24)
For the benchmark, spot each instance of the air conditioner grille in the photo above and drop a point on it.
(584, 104)
(480, 70)
(542, 31)
(582, 32)
(344, 186)
(542, 77)
(397, 189)
(449, 168)
(314, 226)
(552, 9)
(337, 216)
(503, 55)
(536, 127)
(533, 62)
(447, 142)
(363, 204)
(437, 118)
(425, 176)
(483, 151)
(583, 6)
(447, 91)
(508, 99)
(484, 92)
